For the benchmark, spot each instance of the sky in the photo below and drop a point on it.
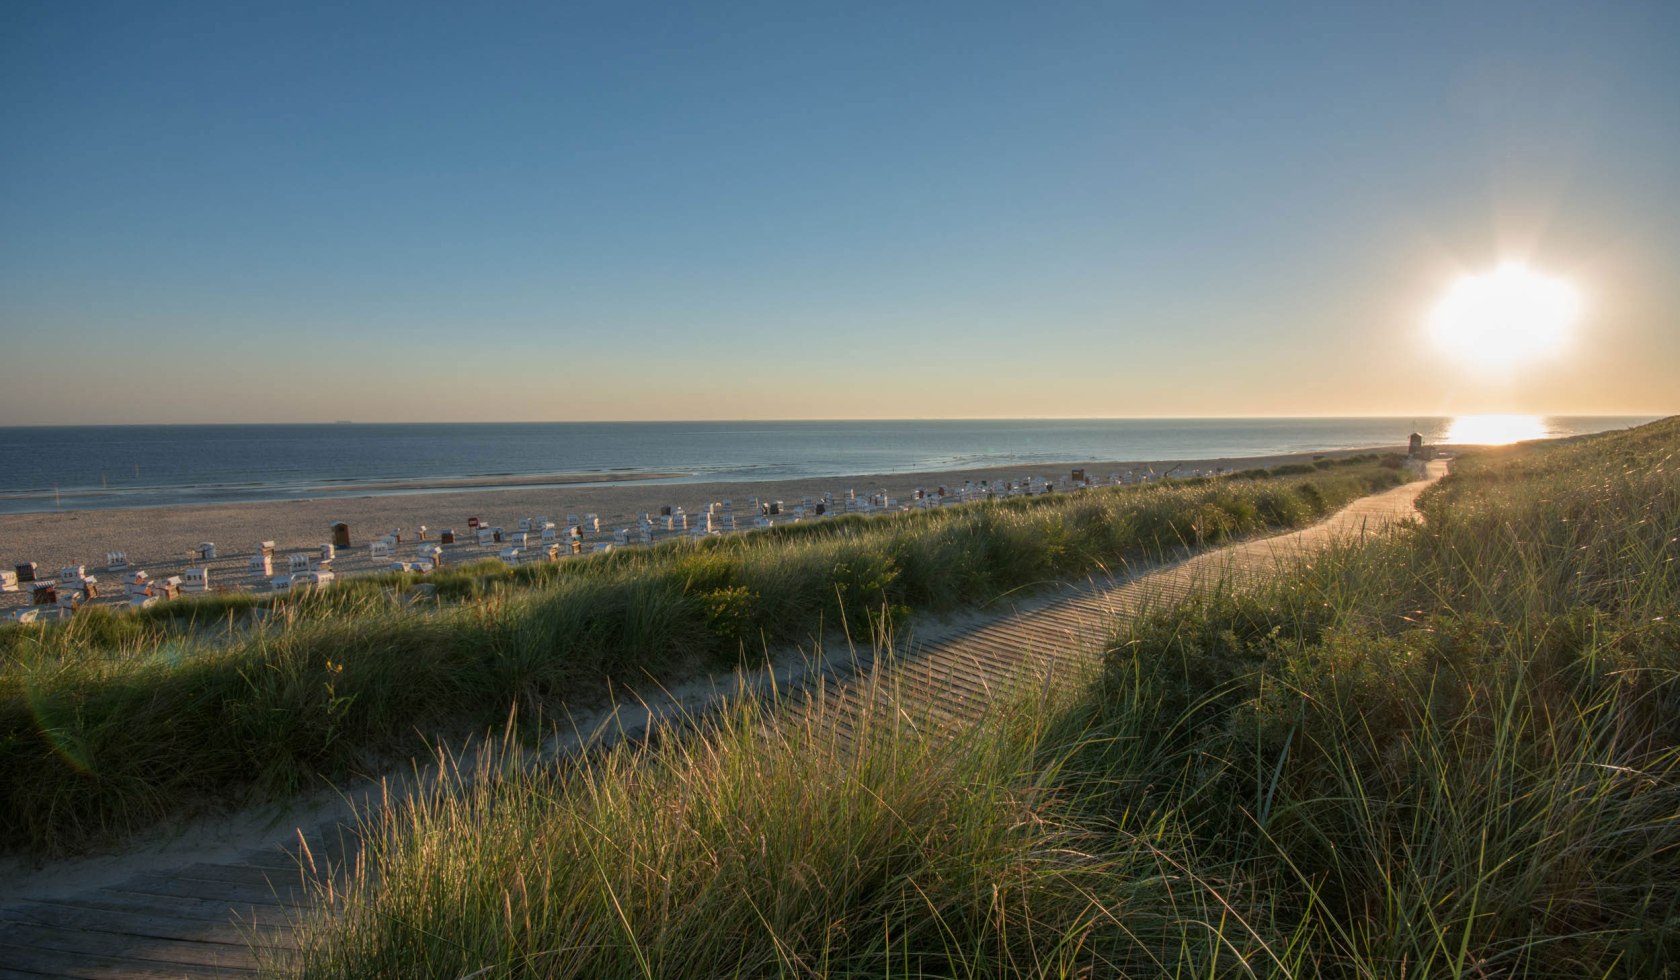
(239, 212)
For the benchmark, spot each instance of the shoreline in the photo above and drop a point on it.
(159, 539)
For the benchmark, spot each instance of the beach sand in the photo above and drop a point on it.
(161, 539)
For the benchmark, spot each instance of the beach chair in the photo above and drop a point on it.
(266, 548)
(26, 571)
(262, 566)
(592, 522)
(89, 586)
(195, 580)
(379, 549)
(8, 582)
(169, 588)
(321, 577)
(71, 574)
(525, 524)
(549, 535)
(282, 583)
(510, 555)
(139, 584)
(206, 551)
(43, 594)
(486, 537)
(297, 563)
(116, 561)
(328, 553)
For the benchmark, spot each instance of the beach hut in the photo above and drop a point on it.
(1415, 445)
(340, 534)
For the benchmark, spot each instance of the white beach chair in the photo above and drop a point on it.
(379, 549)
(262, 565)
(510, 555)
(328, 552)
(195, 580)
(282, 583)
(71, 574)
(486, 537)
(116, 561)
(297, 563)
(207, 551)
(8, 582)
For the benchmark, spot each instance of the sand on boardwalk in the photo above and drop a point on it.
(161, 540)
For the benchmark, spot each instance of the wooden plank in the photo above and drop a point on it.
(233, 893)
(167, 953)
(157, 923)
(210, 911)
(92, 966)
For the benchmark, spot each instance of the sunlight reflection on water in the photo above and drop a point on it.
(1495, 430)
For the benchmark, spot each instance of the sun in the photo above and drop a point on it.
(1505, 318)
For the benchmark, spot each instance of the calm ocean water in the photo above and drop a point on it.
(80, 467)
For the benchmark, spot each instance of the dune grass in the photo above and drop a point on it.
(1450, 751)
(111, 722)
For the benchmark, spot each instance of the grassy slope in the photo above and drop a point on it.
(1451, 752)
(112, 722)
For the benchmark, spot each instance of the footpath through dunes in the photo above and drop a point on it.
(215, 914)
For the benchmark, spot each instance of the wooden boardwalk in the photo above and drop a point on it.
(202, 919)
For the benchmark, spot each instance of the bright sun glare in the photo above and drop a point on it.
(1506, 317)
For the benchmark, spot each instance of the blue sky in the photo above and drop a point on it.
(239, 212)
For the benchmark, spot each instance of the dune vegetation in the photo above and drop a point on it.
(1450, 750)
(112, 722)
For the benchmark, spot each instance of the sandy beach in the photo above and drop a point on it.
(161, 540)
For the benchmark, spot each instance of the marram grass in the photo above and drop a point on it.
(1449, 752)
(111, 723)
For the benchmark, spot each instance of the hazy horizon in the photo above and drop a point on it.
(759, 212)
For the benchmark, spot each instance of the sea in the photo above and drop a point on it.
(49, 468)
